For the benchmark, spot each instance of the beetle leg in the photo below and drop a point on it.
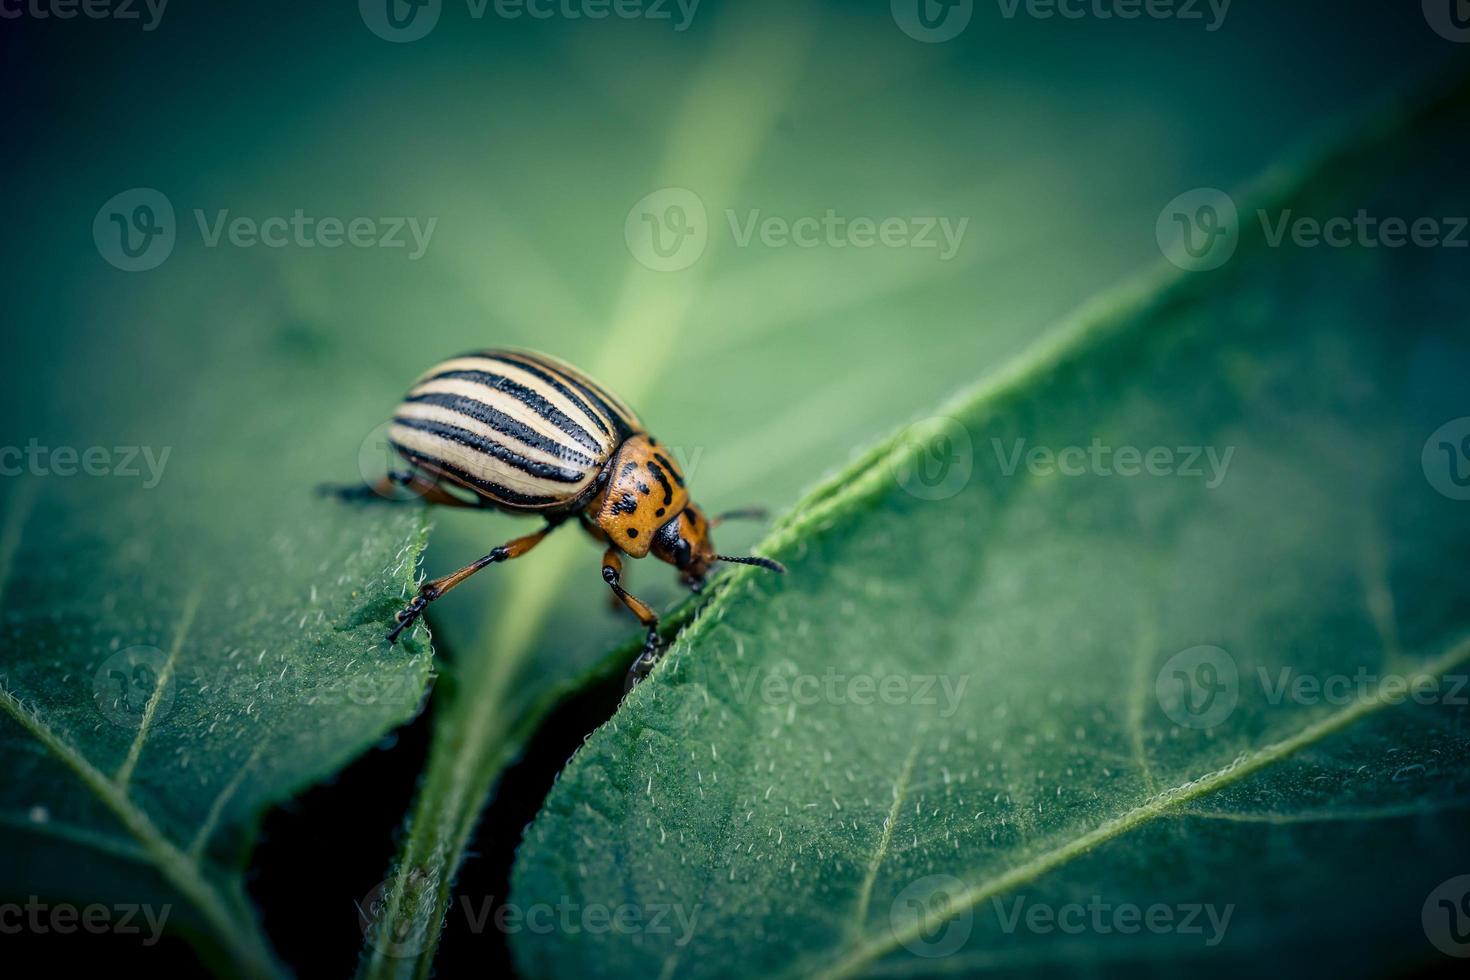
(612, 571)
(432, 590)
(431, 492)
(386, 488)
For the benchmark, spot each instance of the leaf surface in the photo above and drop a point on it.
(170, 674)
(988, 681)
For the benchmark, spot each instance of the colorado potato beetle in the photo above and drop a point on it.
(524, 433)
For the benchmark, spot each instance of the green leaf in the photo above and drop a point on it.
(762, 363)
(190, 645)
(761, 806)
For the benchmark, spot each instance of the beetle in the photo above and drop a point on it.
(524, 433)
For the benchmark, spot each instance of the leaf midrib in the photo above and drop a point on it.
(235, 932)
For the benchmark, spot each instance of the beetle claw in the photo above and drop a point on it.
(652, 652)
(405, 617)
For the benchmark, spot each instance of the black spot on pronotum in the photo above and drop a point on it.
(659, 512)
(632, 532)
(658, 474)
(673, 470)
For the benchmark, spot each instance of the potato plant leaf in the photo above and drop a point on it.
(1021, 686)
(168, 675)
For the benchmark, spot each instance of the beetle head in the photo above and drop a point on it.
(684, 541)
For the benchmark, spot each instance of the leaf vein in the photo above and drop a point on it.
(900, 791)
(1245, 765)
(165, 677)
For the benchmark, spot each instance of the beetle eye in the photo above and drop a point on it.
(681, 553)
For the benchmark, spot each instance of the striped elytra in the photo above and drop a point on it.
(525, 431)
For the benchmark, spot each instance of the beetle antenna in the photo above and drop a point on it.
(774, 566)
(743, 514)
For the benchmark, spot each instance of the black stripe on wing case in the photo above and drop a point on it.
(625, 423)
(501, 423)
(673, 470)
(532, 399)
(480, 444)
(488, 488)
(552, 377)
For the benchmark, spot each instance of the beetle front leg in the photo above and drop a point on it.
(612, 571)
(436, 588)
